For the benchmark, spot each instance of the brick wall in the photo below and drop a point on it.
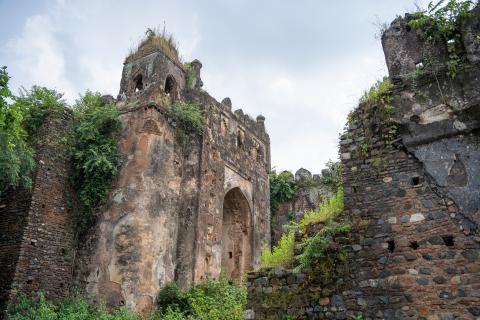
(13, 212)
(46, 248)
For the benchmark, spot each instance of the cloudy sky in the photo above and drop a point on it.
(302, 64)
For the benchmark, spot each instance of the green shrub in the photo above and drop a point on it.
(281, 254)
(441, 22)
(282, 189)
(188, 119)
(327, 212)
(95, 154)
(209, 300)
(74, 308)
(170, 297)
(217, 300)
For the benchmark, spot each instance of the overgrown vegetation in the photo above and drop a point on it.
(380, 97)
(20, 118)
(188, 119)
(16, 156)
(37, 103)
(280, 255)
(312, 249)
(333, 178)
(441, 23)
(328, 211)
(316, 249)
(282, 189)
(74, 307)
(209, 300)
(189, 73)
(94, 153)
(156, 39)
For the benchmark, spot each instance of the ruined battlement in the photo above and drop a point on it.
(406, 50)
(153, 77)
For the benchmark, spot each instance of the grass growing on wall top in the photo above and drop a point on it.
(156, 39)
(379, 93)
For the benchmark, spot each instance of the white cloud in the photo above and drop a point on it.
(37, 56)
(303, 70)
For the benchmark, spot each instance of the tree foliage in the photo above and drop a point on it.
(282, 189)
(95, 154)
(20, 118)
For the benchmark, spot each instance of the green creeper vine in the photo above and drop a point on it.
(440, 23)
(95, 154)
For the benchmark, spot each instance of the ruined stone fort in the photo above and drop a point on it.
(185, 212)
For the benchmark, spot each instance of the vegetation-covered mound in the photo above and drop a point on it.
(154, 40)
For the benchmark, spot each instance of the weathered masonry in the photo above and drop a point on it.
(36, 235)
(413, 200)
(182, 208)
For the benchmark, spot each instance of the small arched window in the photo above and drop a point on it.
(240, 139)
(138, 81)
(170, 85)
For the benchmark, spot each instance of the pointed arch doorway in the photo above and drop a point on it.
(236, 243)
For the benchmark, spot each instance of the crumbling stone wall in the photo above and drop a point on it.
(413, 200)
(164, 218)
(37, 238)
(311, 191)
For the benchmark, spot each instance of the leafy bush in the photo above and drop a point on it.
(16, 156)
(282, 189)
(281, 254)
(209, 300)
(441, 22)
(188, 118)
(170, 297)
(71, 308)
(95, 155)
(328, 210)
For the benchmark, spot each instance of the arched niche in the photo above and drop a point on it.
(236, 242)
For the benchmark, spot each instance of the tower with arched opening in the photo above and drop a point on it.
(181, 210)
